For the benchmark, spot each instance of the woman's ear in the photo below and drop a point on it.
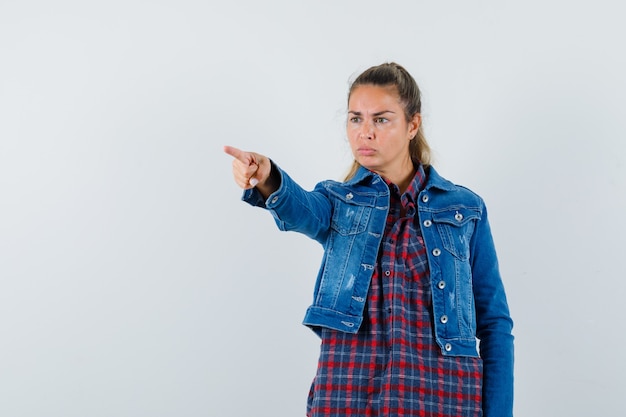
(414, 125)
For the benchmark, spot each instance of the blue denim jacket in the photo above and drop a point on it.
(469, 301)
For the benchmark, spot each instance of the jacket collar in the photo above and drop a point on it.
(363, 174)
(434, 179)
(437, 181)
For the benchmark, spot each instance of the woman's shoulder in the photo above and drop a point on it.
(451, 190)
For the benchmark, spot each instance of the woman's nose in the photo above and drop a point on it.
(367, 131)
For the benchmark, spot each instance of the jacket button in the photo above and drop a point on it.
(441, 284)
(444, 319)
(458, 216)
(427, 223)
(275, 199)
(349, 196)
(436, 251)
(448, 347)
(425, 198)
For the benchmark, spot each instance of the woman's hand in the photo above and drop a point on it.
(252, 170)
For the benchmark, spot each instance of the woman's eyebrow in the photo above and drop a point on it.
(358, 113)
(380, 113)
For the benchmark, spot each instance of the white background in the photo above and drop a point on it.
(133, 282)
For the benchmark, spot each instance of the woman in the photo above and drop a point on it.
(409, 279)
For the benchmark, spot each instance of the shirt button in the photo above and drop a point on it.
(427, 223)
(448, 347)
(458, 217)
(425, 198)
(436, 251)
(275, 199)
(441, 285)
(444, 319)
(387, 273)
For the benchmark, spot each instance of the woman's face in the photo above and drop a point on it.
(378, 132)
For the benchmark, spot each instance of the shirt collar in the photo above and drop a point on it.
(415, 186)
(418, 183)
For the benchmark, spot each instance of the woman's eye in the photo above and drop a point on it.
(355, 119)
(380, 120)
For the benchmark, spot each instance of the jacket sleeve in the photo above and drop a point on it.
(494, 324)
(295, 209)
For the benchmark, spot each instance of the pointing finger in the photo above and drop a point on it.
(245, 157)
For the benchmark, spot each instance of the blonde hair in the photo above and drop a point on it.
(392, 74)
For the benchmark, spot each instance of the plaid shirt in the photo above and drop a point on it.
(393, 366)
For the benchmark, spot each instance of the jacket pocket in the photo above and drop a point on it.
(351, 211)
(455, 228)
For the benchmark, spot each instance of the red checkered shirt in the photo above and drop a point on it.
(393, 365)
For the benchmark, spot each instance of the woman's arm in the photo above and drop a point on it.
(494, 324)
(293, 208)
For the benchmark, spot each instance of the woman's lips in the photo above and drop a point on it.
(366, 151)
